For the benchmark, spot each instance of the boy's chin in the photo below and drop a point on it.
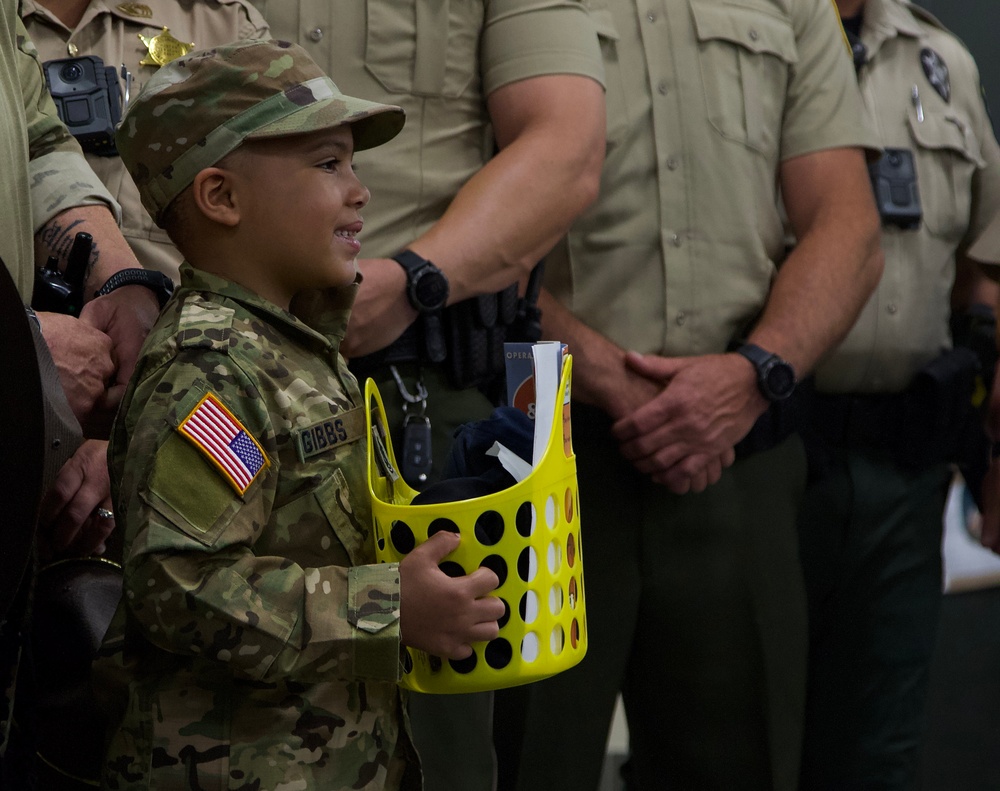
(349, 273)
(342, 275)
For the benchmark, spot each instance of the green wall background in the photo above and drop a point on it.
(977, 23)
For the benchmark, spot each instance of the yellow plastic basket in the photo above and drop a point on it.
(529, 534)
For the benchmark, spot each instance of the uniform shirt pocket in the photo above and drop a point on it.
(423, 49)
(745, 55)
(948, 155)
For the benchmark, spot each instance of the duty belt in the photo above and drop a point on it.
(928, 423)
(857, 420)
(474, 332)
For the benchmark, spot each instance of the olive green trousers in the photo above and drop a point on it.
(696, 613)
(871, 553)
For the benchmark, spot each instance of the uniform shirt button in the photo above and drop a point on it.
(681, 318)
(662, 88)
(316, 35)
(651, 16)
(891, 307)
(675, 240)
(672, 163)
(753, 35)
(72, 49)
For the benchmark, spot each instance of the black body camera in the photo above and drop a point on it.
(89, 101)
(894, 180)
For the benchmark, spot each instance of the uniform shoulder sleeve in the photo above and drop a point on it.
(523, 39)
(46, 133)
(823, 106)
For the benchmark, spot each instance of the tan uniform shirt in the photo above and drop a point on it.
(705, 99)
(111, 31)
(439, 61)
(41, 170)
(905, 323)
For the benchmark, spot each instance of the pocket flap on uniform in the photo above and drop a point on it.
(755, 29)
(604, 23)
(334, 497)
(948, 131)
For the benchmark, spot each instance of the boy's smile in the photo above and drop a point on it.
(349, 233)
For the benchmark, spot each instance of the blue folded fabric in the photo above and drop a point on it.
(469, 472)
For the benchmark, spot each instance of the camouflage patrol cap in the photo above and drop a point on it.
(202, 106)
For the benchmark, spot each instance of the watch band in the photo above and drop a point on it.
(755, 354)
(157, 282)
(430, 319)
(775, 377)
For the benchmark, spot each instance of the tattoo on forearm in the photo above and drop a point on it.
(58, 240)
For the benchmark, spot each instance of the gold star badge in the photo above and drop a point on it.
(163, 48)
(136, 9)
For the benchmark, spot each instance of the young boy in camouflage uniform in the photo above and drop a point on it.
(258, 638)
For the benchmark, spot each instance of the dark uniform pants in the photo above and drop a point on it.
(451, 733)
(871, 552)
(696, 612)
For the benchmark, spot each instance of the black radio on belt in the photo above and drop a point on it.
(894, 180)
(88, 99)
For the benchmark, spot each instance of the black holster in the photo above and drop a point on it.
(933, 421)
(475, 331)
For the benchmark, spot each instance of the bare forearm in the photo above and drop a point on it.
(827, 279)
(110, 253)
(551, 136)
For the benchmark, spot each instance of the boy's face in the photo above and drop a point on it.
(300, 204)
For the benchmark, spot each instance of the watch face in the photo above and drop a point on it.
(780, 380)
(430, 290)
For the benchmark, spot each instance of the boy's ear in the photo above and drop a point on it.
(214, 194)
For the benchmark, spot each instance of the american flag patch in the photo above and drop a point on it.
(217, 433)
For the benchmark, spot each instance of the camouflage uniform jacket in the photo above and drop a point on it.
(253, 605)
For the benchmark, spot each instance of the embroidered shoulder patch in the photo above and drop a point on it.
(217, 433)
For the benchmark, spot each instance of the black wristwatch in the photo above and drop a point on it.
(159, 283)
(426, 285)
(775, 377)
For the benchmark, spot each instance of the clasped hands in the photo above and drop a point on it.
(94, 356)
(678, 419)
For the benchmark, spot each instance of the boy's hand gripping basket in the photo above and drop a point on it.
(529, 534)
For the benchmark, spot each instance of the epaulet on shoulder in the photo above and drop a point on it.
(924, 15)
(205, 325)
